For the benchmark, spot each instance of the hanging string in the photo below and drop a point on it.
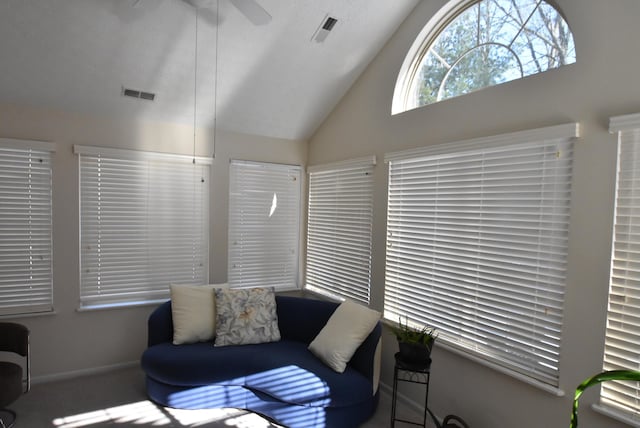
(195, 87)
(215, 82)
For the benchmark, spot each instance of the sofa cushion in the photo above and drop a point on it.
(246, 316)
(193, 312)
(344, 332)
(285, 370)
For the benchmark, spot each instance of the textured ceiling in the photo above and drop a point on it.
(272, 80)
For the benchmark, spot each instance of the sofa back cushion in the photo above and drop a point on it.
(302, 319)
(160, 325)
(298, 319)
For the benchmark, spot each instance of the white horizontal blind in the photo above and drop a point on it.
(25, 228)
(264, 224)
(477, 246)
(339, 222)
(622, 343)
(143, 224)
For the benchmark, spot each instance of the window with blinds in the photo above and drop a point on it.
(477, 237)
(264, 224)
(143, 225)
(339, 223)
(622, 342)
(25, 227)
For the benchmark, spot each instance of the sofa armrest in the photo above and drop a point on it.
(160, 325)
(302, 319)
(365, 359)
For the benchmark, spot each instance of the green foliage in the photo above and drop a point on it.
(404, 333)
(492, 42)
(594, 380)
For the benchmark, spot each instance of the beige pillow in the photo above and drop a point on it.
(193, 308)
(344, 332)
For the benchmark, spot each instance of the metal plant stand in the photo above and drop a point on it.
(410, 373)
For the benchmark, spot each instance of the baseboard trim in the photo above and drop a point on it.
(404, 399)
(83, 372)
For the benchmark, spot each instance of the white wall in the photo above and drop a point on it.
(602, 83)
(69, 342)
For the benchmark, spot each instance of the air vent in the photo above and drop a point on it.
(325, 27)
(329, 23)
(134, 93)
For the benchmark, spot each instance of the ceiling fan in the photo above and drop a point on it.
(249, 8)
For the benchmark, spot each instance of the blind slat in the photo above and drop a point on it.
(144, 225)
(264, 215)
(477, 247)
(622, 342)
(25, 228)
(340, 215)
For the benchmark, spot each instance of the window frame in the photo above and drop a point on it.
(118, 187)
(338, 257)
(247, 266)
(404, 92)
(624, 285)
(546, 380)
(38, 287)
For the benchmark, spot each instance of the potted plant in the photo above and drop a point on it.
(415, 344)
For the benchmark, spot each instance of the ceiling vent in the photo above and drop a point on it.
(134, 93)
(325, 28)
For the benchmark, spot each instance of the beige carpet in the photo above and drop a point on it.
(118, 399)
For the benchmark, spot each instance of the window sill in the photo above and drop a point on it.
(519, 376)
(108, 306)
(616, 414)
(28, 315)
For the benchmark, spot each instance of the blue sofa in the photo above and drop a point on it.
(282, 380)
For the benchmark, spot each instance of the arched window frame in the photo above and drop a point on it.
(404, 93)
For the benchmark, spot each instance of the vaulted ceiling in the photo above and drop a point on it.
(272, 80)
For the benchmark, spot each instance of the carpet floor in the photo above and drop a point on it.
(118, 399)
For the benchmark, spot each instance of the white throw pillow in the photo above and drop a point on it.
(344, 332)
(193, 309)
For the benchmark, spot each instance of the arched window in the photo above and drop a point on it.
(469, 45)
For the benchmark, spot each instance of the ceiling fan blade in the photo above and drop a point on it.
(253, 11)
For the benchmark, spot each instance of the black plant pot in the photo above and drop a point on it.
(415, 353)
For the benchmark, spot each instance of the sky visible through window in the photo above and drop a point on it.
(492, 42)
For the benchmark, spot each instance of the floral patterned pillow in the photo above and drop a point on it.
(246, 315)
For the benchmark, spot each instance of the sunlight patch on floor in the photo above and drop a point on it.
(140, 413)
(232, 417)
(146, 413)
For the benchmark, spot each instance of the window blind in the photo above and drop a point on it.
(264, 224)
(143, 225)
(340, 215)
(622, 342)
(25, 227)
(477, 244)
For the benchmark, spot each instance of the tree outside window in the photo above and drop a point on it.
(488, 43)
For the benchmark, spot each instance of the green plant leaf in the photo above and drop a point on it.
(596, 379)
(404, 333)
